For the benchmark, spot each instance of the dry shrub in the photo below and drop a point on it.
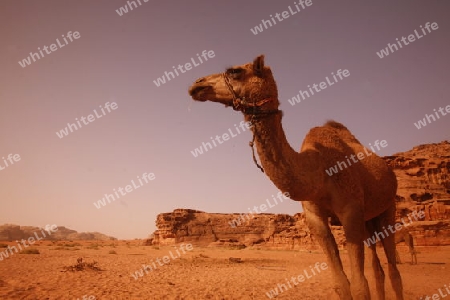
(94, 246)
(83, 266)
(30, 251)
(66, 248)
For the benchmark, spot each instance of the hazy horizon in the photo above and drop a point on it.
(96, 67)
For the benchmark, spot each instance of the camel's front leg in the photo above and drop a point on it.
(317, 222)
(371, 226)
(354, 227)
(387, 219)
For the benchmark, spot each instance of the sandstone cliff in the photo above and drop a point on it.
(268, 231)
(275, 231)
(423, 175)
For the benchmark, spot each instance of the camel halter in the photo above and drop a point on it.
(253, 109)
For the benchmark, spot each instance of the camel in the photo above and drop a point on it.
(361, 196)
(403, 235)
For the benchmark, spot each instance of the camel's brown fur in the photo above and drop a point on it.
(360, 196)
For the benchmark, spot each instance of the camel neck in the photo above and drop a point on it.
(289, 170)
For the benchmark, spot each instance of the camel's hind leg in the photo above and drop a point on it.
(376, 265)
(387, 219)
(397, 257)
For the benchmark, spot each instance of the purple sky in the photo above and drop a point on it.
(154, 129)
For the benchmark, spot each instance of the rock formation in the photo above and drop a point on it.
(268, 231)
(275, 231)
(423, 175)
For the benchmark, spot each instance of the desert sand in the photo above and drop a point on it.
(201, 273)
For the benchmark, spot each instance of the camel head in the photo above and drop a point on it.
(242, 87)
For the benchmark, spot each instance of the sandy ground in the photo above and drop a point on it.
(198, 273)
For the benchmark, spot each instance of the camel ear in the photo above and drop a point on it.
(258, 66)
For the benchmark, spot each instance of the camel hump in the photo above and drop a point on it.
(342, 131)
(334, 124)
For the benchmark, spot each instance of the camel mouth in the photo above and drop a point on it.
(199, 93)
(204, 93)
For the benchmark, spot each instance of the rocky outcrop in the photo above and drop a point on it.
(272, 231)
(431, 233)
(423, 175)
(10, 232)
(266, 231)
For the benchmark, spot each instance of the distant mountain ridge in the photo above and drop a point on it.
(11, 232)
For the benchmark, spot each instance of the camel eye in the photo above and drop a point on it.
(234, 71)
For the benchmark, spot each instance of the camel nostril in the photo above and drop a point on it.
(196, 89)
(200, 80)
